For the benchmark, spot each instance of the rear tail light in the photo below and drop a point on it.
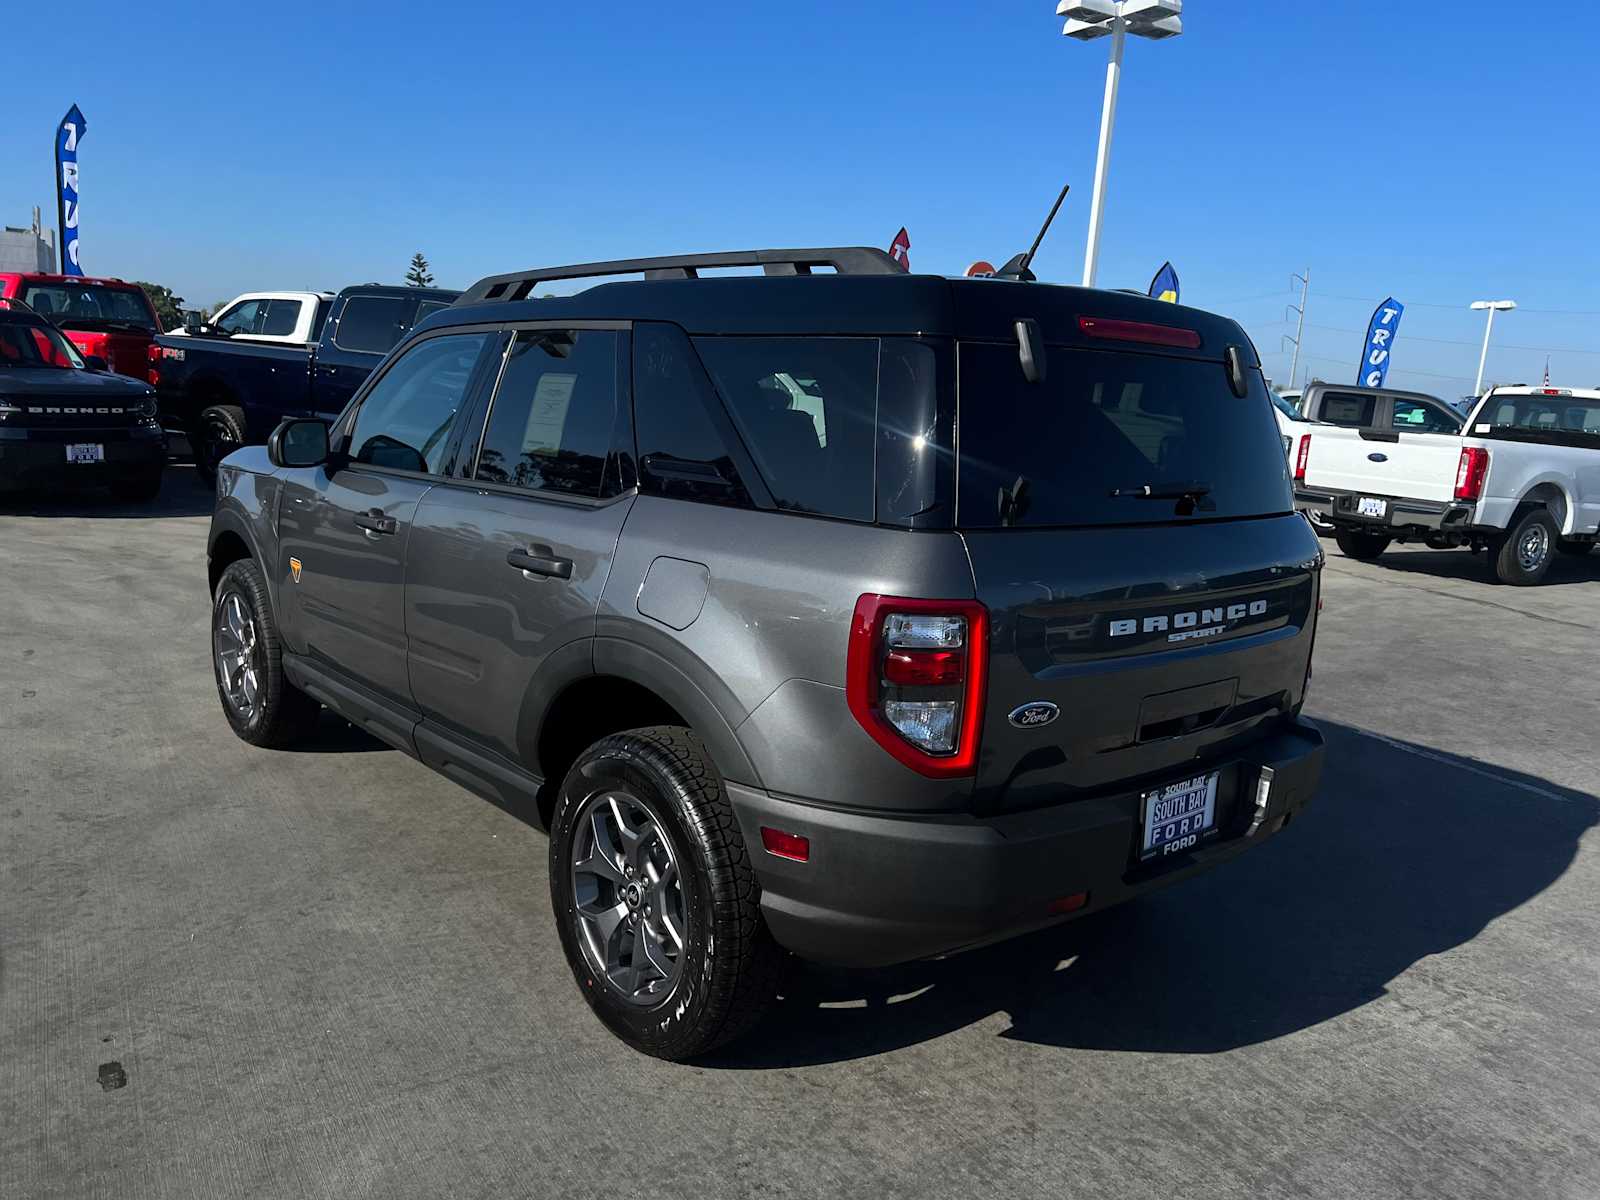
(793, 846)
(1300, 458)
(1470, 473)
(1139, 331)
(152, 356)
(915, 679)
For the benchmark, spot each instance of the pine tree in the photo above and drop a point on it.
(419, 275)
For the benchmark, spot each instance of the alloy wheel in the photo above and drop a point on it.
(237, 645)
(628, 894)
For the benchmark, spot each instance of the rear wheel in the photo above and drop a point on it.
(1522, 555)
(263, 707)
(219, 432)
(655, 897)
(1357, 543)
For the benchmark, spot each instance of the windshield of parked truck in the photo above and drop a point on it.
(1111, 438)
(90, 305)
(33, 344)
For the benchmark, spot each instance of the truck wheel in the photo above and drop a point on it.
(138, 490)
(1357, 543)
(1574, 547)
(655, 897)
(1522, 555)
(219, 433)
(263, 707)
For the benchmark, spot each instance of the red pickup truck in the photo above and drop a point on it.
(107, 318)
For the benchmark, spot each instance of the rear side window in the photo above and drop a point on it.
(550, 425)
(426, 309)
(1412, 416)
(1347, 408)
(370, 324)
(685, 443)
(280, 317)
(1081, 447)
(806, 408)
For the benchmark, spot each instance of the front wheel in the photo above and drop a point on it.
(261, 705)
(1522, 555)
(1357, 543)
(219, 432)
(655, 896)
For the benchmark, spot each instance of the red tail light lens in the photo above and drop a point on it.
(915, 679)
(152, 356)
(1301, 456)
(793, 846)
(1471, 472)
(1139, 331)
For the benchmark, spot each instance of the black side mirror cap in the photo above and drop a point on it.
(95, 363)
(1030, 350)
(299, 442)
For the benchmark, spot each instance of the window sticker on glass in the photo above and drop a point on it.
(1484, 427)
(547, 415)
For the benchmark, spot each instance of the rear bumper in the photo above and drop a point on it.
(1339, 508)
(879, 890)
(32, 458)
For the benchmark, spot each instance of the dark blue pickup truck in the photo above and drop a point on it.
(222, 388)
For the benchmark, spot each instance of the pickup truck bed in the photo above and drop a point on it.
(1522, 481)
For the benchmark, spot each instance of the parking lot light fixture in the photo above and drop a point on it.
(1088, 20)
(1493, 306)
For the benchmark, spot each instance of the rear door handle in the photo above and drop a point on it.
(540, 560)
(373, 521)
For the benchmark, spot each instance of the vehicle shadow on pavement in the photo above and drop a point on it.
(1406, 852)
(182, 495)
(1564, 570)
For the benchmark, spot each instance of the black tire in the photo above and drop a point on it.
(279, 713)
(712, 997)
(1358, 543)
(219, 431)
(1574, 547)
(1522, 555)
(139, 489)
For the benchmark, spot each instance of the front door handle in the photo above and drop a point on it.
(540, 560)
(373, 521)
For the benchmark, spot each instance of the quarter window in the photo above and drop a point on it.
(405, 420)
(550, 425)
(683, 434)
(280, 318)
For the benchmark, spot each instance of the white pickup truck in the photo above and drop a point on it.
(1521, 479)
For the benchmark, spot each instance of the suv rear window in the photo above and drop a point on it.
(1053, 453)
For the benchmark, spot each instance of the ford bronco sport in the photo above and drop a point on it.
(863, 615)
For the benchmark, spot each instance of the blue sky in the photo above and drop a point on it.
(318, 145)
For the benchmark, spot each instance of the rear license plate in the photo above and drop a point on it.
(86, 452)
(1179, 815)
(1368, 507)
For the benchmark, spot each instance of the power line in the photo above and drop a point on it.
(1417, 337)
(1562, 312)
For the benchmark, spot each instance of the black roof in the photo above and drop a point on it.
(874, 300)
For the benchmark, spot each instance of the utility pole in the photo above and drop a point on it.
(1300, 326)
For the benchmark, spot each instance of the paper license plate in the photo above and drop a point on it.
(1368, 507)
(1179, 815)
(85, 452)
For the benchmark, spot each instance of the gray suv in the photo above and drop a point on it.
(830, 610)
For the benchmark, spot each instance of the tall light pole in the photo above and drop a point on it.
(1493, 306)
(1116, 19)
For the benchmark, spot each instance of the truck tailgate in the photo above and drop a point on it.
(1418, 466)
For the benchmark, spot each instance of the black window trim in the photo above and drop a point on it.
(468, 466)
(344, 425)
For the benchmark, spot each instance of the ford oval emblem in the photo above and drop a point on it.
(1376, 457)
(1034, 715)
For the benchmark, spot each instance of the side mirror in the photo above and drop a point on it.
(299, 442)
(95, 363)
(192, 320)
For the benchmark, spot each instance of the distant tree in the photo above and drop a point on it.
(169, 307)
(419, 275)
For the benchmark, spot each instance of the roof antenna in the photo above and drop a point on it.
(1017, 268)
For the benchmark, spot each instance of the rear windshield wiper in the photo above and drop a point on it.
(1193, 492)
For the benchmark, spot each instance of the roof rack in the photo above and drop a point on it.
(844, 260)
